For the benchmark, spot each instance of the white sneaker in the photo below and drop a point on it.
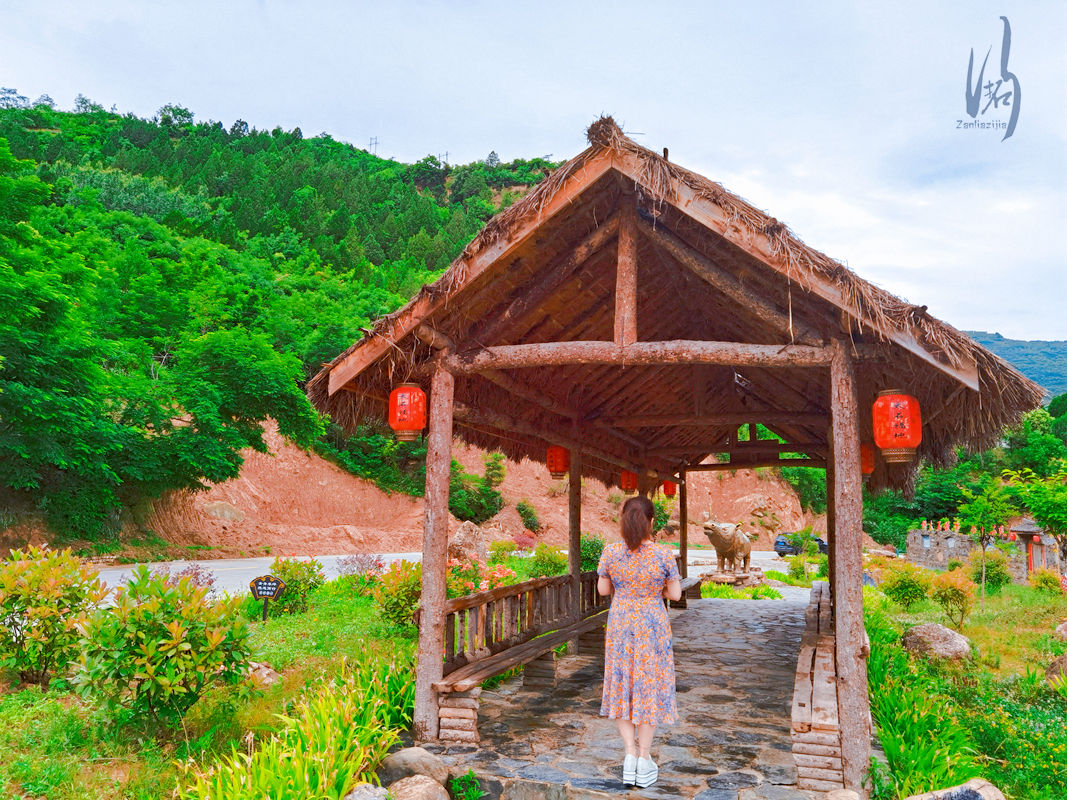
(629, 770)
(647, 772)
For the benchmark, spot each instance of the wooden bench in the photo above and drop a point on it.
(488, 633)
(816, 733)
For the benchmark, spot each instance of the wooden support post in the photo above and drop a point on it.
(852, 699)
(626, 275)
(434, 558)
(683, 523)
(831, 516)
(574, 529)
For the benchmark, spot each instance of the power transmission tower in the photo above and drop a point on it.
(373, 146)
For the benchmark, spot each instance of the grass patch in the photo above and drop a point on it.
(1012, 632)
(724, 591)
(940, 723)
(782, 577)
(54, 746)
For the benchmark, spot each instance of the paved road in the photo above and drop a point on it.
(232, 575)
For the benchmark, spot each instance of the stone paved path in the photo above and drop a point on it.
(735, 661)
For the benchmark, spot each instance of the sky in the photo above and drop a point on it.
(838, 118)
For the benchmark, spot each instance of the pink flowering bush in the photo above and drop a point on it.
(468, 577)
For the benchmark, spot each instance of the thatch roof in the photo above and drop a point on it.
(711, 267)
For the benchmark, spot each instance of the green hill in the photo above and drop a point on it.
(168, 284)
(1044, 362)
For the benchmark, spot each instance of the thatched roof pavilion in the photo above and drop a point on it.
(639, 314)
(710, 267)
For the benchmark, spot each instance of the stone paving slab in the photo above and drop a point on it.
(735, 661)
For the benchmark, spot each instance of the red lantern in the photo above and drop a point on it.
(558, 461)
(897, 425)
(628, 481)
(407, 411)
(670, 488)
(1012, 537)
(866, 459)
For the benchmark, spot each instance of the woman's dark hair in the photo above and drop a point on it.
(637, 512)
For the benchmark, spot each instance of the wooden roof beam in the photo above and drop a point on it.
(704, 268)
(493, 419)
(711, 216)
(376, 346)
(781, 462)
(500, 326)
(546, 354)
(673, 420)
(766, 447)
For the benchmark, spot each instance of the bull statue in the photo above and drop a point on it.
(732, 546)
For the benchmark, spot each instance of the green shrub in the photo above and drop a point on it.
(661, 512)
(763, 592)
(954, 592)
(528, 515)
(301, 578)
(1046, 580)
(333, 739)
(591, 547)
(997, 575)
(466, 787)
(953, 563)
(45, 595)
(152, 655)
(547, 560)
(500, 550)
(810, 486)
(905, 584)
(798, 568)
(494, 469)
(399, 592)
(471, 497)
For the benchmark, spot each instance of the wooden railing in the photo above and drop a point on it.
(479, 625)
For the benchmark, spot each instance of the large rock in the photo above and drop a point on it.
(468, 543)
(412, 761)
(263, 674)
(1061, 632)
(1057, 669)
(418, 787)
(368, 791)
(937, 641)
(974, 789)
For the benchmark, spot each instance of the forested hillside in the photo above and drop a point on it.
(168, 284)
(1043, 362)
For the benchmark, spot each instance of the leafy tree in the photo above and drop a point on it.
(981, 514)
(172, 115)
(1057, 407)
(10, 98)
(1032, 444)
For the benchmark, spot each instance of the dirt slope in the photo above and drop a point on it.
(294, 502)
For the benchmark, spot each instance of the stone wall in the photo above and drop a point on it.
(933, 549)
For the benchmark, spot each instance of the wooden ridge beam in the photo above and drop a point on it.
(493, 419)
(726, 283)
(713, 420)
(547, 354)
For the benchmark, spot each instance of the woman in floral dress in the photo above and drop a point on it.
(638, 657)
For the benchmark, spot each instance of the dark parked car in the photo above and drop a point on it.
(783, 548)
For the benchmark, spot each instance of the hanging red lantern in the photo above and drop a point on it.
(897, 425)
(866, 459)
(407, 411)
(628, 481)
(558, 461)
(670, 488)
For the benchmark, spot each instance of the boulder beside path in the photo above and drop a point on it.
(937, 641)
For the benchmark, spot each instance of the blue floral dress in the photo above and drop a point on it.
(638, 655)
